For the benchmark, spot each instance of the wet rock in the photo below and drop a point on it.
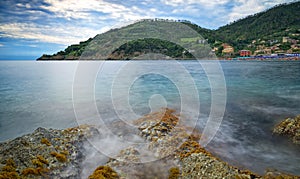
(289, 127)
(129, 164)
(201, 165)
(45, 153)
(271, 174)
(180, 144)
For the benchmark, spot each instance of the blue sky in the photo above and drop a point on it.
(30, 28)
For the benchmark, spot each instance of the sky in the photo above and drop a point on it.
(30, 28)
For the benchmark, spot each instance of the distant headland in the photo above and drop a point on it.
(272, 34)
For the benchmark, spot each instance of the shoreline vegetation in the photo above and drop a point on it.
(175, 148)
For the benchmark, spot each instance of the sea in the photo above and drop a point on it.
(258, 95)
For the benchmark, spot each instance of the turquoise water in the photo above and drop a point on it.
(259, 95)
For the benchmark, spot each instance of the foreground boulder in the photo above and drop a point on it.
(177, 153)
(171, 140)
(289, 127)
(44, 153)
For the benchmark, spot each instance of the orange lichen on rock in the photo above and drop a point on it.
(45, 141)
(65, 152)
(195, 134)
(174, 173)
(39, 171)
(104, 172)
(82, 129)
(169, 117)
(37, 163)
(42, 171)
(9, 170)
(11, 162)
(9, 175)
(189, 147)
(30, 171)
(10, 166)
(164, 115)
(59, 156)
(42, 159)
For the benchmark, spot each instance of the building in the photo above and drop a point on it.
(215, 49)
(227, 49)
(285, 39)
(245, 53)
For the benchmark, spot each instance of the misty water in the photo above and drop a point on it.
(259, 95)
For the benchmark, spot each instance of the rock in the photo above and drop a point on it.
(46, 153)
(271, 174)
(104, 172)
(170, 150)
(201, 165)
(289, 127)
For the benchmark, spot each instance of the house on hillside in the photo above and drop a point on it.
(227, 49)
(245, 53)
(215, 49)
(285, 39)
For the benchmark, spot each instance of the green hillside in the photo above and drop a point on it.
(276, 30)
(168, 37)
(271, 25)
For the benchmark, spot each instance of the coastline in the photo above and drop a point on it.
(265, 59)
(297, 58)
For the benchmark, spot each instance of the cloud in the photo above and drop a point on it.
(27, 5)
(244, 8)
(65, 21)
(208, 14)
(216, 13)
(73, 9)
(54, 34)
(203, 3)
(1, 45)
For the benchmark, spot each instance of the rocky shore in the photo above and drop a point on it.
(172, 147)
(44, 153)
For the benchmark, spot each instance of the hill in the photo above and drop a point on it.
(276, 30)
(168, 37)
(264, 29)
